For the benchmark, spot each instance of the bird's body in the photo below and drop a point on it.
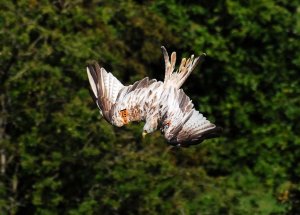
(162, 105)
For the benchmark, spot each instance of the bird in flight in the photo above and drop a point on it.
(162, 105)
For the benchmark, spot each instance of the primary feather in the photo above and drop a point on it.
(162, 105)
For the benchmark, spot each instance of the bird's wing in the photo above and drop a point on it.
(196, 129)
(104, 89)
(181, 123)
(121, 104)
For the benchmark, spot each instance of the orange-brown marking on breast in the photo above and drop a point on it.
(168, 123)
(165, 126)
(124, 115)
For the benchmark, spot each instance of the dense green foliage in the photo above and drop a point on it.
(57, 156)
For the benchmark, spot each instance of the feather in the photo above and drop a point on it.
(163, 105)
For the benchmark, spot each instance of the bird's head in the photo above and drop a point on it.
(150, 126)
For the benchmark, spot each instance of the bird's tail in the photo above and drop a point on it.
(178, 77)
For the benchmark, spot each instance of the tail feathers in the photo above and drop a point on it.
(169, 66)
(178, 77)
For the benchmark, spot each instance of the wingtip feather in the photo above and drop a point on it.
(92, 82)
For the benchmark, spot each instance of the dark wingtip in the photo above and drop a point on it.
(212, 133)
(202, 58)
(92, 66)
(164, 51)
(91, 63)
(215, 132)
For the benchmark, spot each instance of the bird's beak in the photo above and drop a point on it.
(144, 134)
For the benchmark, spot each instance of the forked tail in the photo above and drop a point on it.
(178, 77)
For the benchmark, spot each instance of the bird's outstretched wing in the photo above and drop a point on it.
(181, 123)
(197, 129)
(121, 104)
(105, 89)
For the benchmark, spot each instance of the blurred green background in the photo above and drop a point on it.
(58, 156)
